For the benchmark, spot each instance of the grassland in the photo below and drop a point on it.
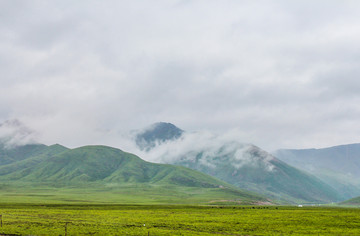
(99, 193)
(82, 219)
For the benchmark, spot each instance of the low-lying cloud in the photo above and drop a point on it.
(13, 133)
(207, 149)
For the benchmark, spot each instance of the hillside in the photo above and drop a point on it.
(29, 151)
(245, 166)
(343, 158)
(337, 166)
(105, 170)
(257, 171)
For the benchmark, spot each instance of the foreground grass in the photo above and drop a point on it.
(25, 219)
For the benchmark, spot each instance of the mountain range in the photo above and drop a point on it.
(108, 170)
(338, 166)
(192, 167)
(243, 165)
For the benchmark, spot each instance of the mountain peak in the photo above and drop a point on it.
(157, 133)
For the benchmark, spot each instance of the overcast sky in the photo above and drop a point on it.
(281, 74)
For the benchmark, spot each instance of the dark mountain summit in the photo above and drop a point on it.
(157, 133)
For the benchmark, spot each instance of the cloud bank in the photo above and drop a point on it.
(206, 149)
(283, 73)
(13, 133)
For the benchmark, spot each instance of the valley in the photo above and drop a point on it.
(228, 188)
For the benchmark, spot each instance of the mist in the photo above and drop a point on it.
(283, 73)
(206, 148)
(13, 133)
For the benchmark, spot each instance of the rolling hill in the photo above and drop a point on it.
(338, 166)
(107, 174)
(243, 165)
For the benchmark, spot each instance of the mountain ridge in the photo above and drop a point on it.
(98, 165)
(338, 165)
(245, 166)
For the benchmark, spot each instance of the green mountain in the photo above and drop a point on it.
(23, 157)
(337, 166)
(251, 168)
(100, 163)
(104, 172)
(20, 153)
(245, 166)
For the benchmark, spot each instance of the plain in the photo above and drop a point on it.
(83, 219)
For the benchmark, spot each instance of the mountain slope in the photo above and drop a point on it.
(20, 153)
(343, 158)
(253, 169)
(337, 166)
(243, 165)
(24, 157)
(100, 166)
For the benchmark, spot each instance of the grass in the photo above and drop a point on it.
(30, 219)
(97, 193)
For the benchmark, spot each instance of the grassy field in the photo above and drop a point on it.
(144, 194)
(61, 219)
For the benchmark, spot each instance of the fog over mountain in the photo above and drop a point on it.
(282, 74)
(14, 133)
(225, 157)
(222, 156)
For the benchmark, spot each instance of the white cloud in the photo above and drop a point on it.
(207, 149)
(284, 73)
(13, 133)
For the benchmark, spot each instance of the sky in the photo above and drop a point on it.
(278, 73)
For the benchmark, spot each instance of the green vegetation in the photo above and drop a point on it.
(282, 182)
(177, 220)
(242, 165)
(100, 165)
(98, 190)
(99, 174)
(124, 194)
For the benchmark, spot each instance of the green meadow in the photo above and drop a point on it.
(83, 219)
(146, 194)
